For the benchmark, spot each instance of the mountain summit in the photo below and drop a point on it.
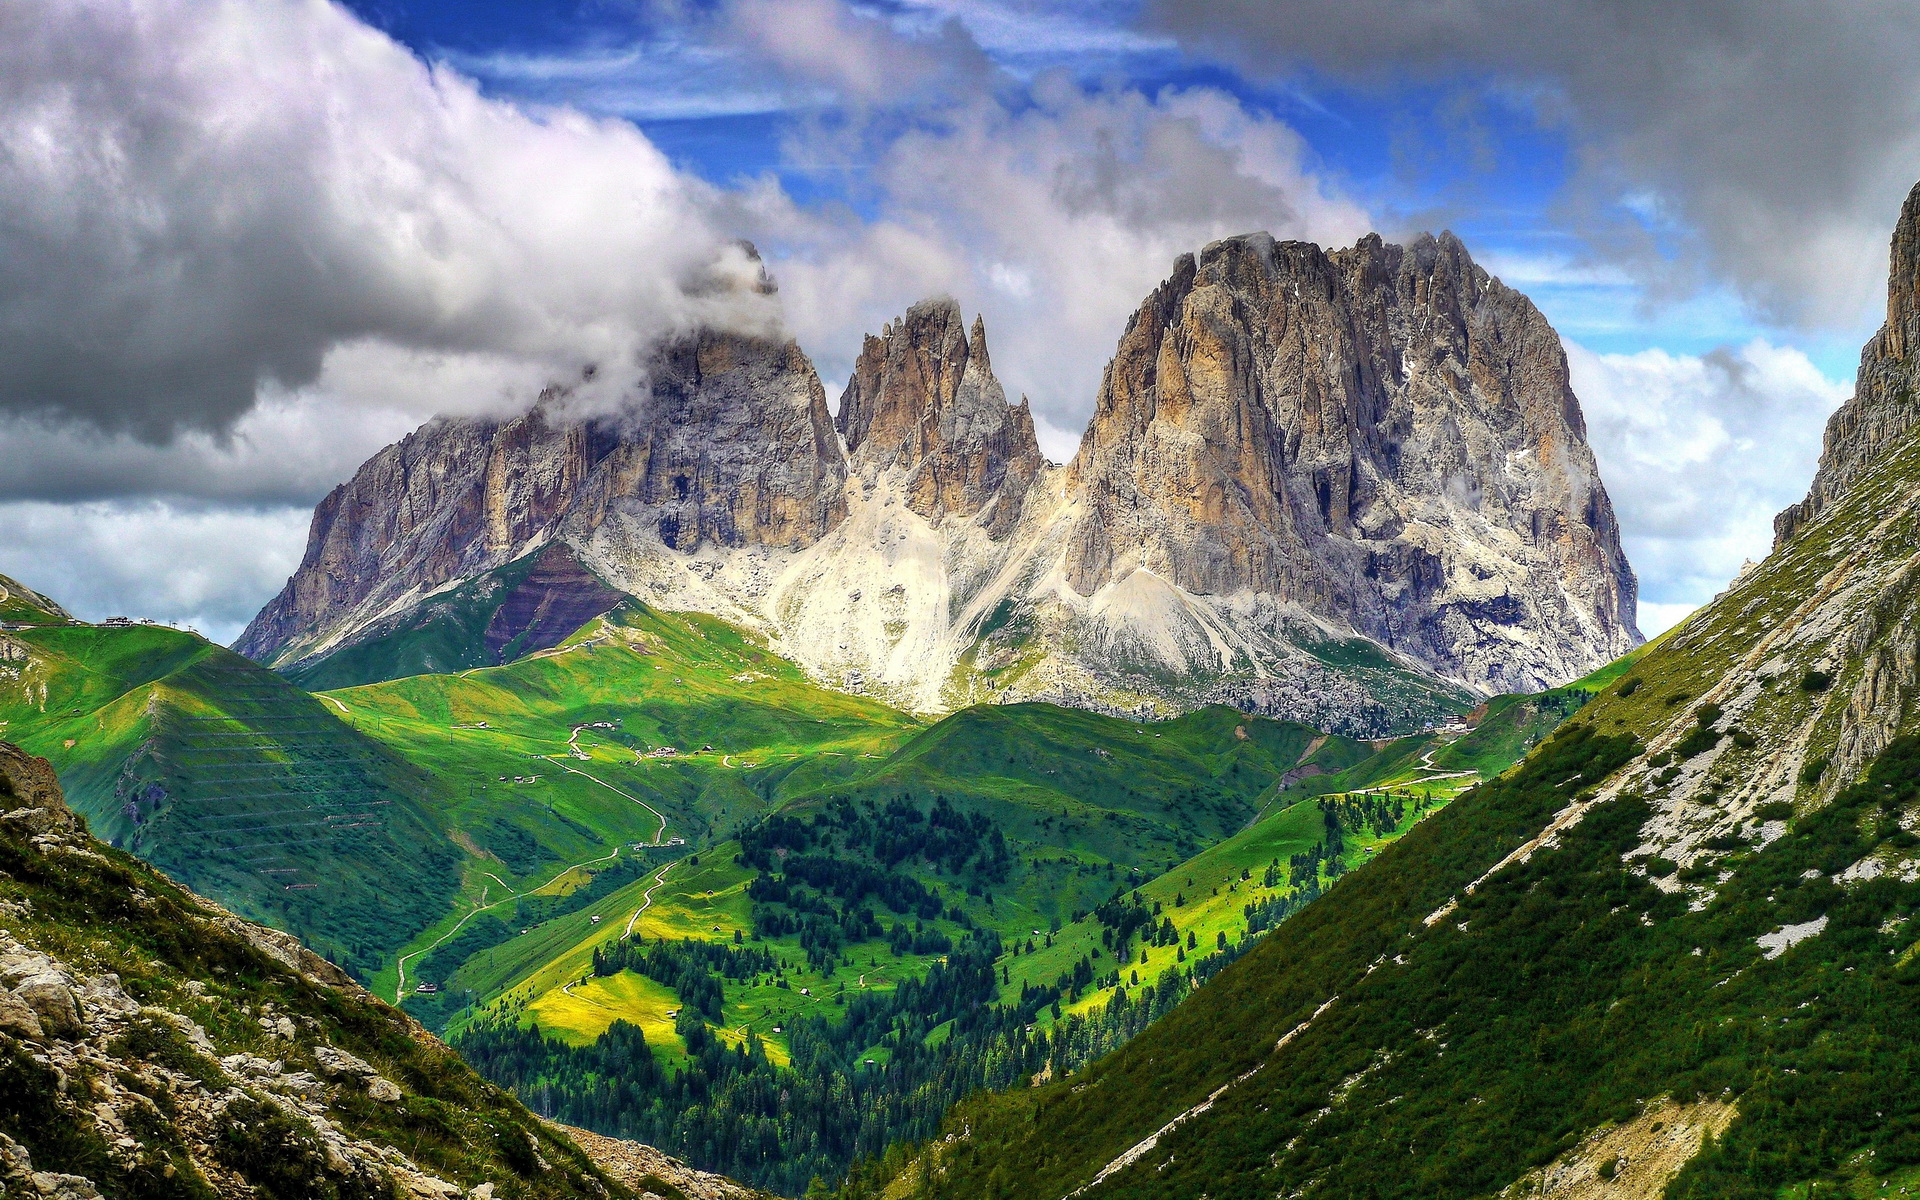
(1351, 488)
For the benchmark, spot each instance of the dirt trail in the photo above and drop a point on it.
(646, 900)
(400, 989)
(659, 835)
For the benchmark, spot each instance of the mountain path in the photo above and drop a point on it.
(400, 989)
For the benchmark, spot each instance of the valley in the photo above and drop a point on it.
(927, 906)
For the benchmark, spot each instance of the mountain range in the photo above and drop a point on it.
(1672, 953)
(1349, 488)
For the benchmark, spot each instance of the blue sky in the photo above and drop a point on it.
(1697, 196)
(1422, 156)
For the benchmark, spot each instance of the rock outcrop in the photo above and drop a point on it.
(1348, 488)
(734, 448)
(1382, 436)
(152, 1043)
(1884, 407)
(923, 401)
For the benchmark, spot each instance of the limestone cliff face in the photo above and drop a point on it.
(923, 401)
(1381, 436)
(733, 448)
(1350, 488)
(1884, 406)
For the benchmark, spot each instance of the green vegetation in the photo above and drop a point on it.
(1721, 919)
(530, 604)
(237, 783)
(21, 605)
(693, 897)
(196, 989)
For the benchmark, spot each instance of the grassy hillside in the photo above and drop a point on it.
(530, 604)
(233, 781)
(988, 899)
(21, 605)
(1674, 951)
(153, 1046)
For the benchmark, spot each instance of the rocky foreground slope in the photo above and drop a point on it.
(152, 1044)
(1351, 488)
(1675, 952)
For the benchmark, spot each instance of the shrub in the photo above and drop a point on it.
(1702, 739)
(1629, 686)
(1814, 769)
(1816, 681)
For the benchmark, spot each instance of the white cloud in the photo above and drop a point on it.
(206, 567)
(1699, 453)
(1050, 206)
(203, 199)
(1655, 619)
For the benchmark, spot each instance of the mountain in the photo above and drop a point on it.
(21, 605)
(1672, 953)
(1381, 440)
(233, 780)
(152, 1044)
(1351, 489)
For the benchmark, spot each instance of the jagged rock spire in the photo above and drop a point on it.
(923, 404)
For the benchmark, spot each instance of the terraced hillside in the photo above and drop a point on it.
(233, 781)
(1674, 952)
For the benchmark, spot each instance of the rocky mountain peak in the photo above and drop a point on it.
(1382, 436)
(733, 447)
(923, 404)
(1884, 406)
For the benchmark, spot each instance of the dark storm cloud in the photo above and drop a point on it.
(1771, 141)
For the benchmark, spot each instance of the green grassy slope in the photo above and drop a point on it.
(642, 728)
(234, 781)
(530, 604)
(205, 1058)
(1718, 939)
(21, 605)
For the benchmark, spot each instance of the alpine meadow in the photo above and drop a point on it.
(959, 600)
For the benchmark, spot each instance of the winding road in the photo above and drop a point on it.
(400, 989)
(646, 899)
(659, 835)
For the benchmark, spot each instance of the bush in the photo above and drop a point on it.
(1816, 681)
(1702, 739)
(1629, 686)
(1814, 769)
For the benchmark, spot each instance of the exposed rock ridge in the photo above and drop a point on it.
(1349, 488)
(1384, 436)
(734, 448)
(1884, 406)
(923, 401)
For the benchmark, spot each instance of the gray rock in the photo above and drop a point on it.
(17, 1017)
(1881, 411)
(1292, 450)
(50, 996)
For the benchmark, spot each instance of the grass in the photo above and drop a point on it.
(104, 910)
(235, 781)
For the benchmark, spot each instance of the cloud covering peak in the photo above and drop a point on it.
(200, 200)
